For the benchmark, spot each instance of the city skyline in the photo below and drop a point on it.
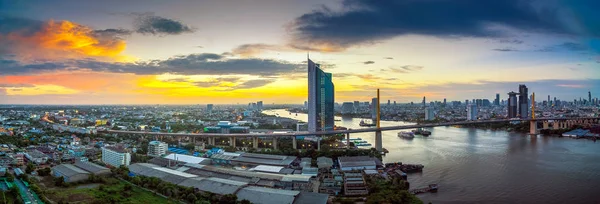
(112, 52)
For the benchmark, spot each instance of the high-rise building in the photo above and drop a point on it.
(429, 114)
(356, 105)
(523, 101)
(497, 100)
(394, 103)
(157, 148)
(485, 102)
(306, 104)
(512, 105)
(467, 102)
(320, 98)
(472, 112)
(549, 102)
(209, 108)
(374, 108)
(348, 108)
(389, 102)
(589, 97)
(423, 101)
(115, 156)
(444, 101)
(259, 105)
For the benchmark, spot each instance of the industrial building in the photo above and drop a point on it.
(358, 163)
(252, 186)
(263, 159)
(92, 168)
(70, 173)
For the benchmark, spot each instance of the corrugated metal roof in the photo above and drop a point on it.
(267, 168)
(261, 195)
(69, 170)
(311, 198)
(214, 185)
(91, 167)
(185, 158)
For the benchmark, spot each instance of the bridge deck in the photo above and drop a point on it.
(305, 133)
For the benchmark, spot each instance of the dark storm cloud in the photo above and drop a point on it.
(194, 64)
(366, 21)
(148, 23)
(369, 62)
(113, 32)
(511, 41)
(505, 50)
(567, 46)
(573, 46)
(23, 25)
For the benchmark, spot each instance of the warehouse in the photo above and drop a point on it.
(70, 173)
(92, 168)
(263, 159)
(358, 163)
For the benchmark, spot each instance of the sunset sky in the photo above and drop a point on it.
(240, 51)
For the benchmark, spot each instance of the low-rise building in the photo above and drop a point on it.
(92, 168)
(70, 173)
(157, 148)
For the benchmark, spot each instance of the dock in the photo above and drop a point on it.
(432, 188)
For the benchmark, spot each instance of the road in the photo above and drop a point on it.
(25, 192)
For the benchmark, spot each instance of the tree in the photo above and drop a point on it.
(44, 172)
(10, 177)
(228, 199)
(59, 181)
(30, 168)
(191, 197)
(245, 202)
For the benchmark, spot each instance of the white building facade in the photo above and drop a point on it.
(115, 156)
(157, 148)
(471, 112)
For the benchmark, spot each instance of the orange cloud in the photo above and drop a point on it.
(65, 39)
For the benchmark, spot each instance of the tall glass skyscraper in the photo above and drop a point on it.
(512, 105)
(523, 101)
(320, 98)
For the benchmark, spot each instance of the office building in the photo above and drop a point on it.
(497, 100)
(157, 148)
(259, 105)
(423, 101)
(320, 98)
(209, 108)
(374, 108)
(486, 102)
(472, 112)
(115, 156)
(512, 105)
(348, 108)
(356, 105)
(389, 102)
(444, 101)
(429, 114)
(589, 97)
(394, 103)
(523, 101)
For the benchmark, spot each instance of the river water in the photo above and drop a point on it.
(484, 166)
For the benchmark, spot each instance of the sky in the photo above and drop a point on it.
(241, 51)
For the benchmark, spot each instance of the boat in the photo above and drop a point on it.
(407, 135)
(359, 141)
(358, 138)
(363, 124)
(362, 144)
(420, 131)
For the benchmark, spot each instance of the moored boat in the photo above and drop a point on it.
(407, 135)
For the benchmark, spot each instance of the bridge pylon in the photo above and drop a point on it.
(378, 139)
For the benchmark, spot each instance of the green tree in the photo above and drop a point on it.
(59, 181)
(245, 202)
(191, 198)
(30, 168)
(228, 199)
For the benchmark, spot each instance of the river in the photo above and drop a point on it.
(484, 166)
